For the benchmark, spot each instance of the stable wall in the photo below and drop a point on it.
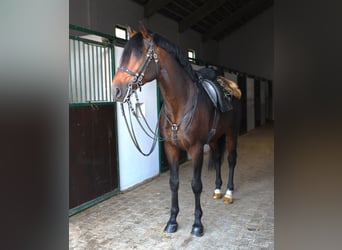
(105, 14)
(250, 48)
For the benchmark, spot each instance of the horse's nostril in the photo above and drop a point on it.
(117, 92)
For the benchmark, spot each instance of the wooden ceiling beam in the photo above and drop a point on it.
(230, 20)
(199, 14)
(152, 6)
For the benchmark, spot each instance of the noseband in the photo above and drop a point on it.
(139, 75)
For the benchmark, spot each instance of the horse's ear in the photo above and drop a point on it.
(131, 32)
(144, 31)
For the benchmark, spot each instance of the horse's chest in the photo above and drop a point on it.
(176, 136)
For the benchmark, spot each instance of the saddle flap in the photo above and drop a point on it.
(216, 95)
(210, 90)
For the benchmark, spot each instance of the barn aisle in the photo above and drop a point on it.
(135, 219)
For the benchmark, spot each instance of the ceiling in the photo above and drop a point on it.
(214, 19)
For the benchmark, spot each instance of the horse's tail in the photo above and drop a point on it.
(230, 86)
(216, 154)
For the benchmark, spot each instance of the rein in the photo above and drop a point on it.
(131, 129)
(137, 82)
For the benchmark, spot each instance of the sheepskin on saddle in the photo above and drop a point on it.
(219, 89)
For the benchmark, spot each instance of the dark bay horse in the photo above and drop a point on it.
(187, 118)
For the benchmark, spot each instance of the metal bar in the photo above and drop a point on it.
(93, 202)
(84, 73)
(75, 74)
(89, 31)
(112, 62)
(105, 58)
(89, 73)
(87, 41)
(111, 56)
(80, 71)
(93, 71)
(106, 80)
(101, 75)
(105, 73)
(108, 72)
(86, 104)
(97, 76)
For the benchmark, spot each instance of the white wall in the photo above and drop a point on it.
(134, 168)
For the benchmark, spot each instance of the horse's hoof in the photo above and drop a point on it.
(171, 228)
(197, 231)
(228, 199)
(217, 196)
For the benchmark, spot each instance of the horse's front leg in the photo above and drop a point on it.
(196, 184)
(172, 154)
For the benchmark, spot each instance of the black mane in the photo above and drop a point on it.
(135, 46)
(178, 53)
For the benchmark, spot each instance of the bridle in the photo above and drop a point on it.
(138, 77)
(133, 85)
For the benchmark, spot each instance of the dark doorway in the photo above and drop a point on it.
(92, 153)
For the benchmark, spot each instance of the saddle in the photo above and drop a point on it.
(220, 98)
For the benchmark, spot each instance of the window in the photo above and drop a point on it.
(191, 55)
(121, 32)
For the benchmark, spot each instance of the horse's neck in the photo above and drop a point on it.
(177, 88)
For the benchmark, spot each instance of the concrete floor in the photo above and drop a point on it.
(135, 219)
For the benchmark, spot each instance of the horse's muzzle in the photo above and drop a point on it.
(116, 91)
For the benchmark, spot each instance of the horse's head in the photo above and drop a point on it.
(135, 67)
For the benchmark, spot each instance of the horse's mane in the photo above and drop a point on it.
(178, 53)
(135, 46)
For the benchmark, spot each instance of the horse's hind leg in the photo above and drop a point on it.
(172, 154)
(216, 153)
(232, 156)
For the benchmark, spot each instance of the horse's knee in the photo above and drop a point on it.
(174, 184)
(196, 186)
